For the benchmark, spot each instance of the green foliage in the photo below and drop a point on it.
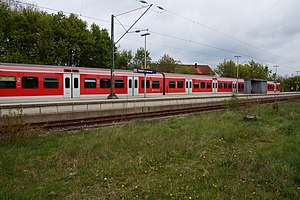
(31, 36)
(255, 70)
(250, 70)
(226, 69)
(124, 59)
(14, 128)
(207, 156)
(139, 58)
(166, 63)
(181, 69)
(97, 51)
(289, 84)
(233, 103)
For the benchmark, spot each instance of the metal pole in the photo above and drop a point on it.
(297, 86)
(112, 94)
(145, 78)
(237, 74)
(276, 66)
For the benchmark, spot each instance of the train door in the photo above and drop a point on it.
(214, 86)
(71, 85)
(275, 88)
(132, 86)
(188, 86)
(234, 86)
(67, 86)
(76, 85)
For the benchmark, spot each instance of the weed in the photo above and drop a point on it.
(14, 128)
(207, 156)
(233, 103)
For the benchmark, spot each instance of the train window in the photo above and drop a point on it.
(67, 82)
(76, 83)
(242, 85)
(155, 84)
(220, 85)
(30, 82)
(130, 83)
(7, 82)
(239, 86)
(225, 85)
(50, 82)
(179, 84)
(104, 83)
(172, 84)
(147, 84)
(187, 84)
(196, 84)
(119, 83)
(202, 84)
(208, 85)
(135, 84)
(90, 83)
(230, 85)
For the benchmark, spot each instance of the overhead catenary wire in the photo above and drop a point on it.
(183, 39)
(227, 35)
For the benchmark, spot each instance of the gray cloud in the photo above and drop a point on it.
(267, 31)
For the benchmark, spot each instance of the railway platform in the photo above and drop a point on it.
(43, 111)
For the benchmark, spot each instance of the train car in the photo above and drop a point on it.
(230, 85)
(273, 87)
(37, 81)
(30, 81)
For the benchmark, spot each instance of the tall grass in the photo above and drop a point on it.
(207, 156)
(13, 128)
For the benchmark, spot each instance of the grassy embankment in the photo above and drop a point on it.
(207, 156)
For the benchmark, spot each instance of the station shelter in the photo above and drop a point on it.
(255, 86)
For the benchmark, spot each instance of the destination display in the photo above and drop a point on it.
(145, 71)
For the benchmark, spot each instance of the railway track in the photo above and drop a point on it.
(117, 119)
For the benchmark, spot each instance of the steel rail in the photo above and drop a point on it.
(117, 119)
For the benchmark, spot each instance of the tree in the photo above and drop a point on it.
(226, 69)
(184, 70)
(139, 57)
(98, 49)
(124, 59)
(28, 35)
(250, 70)
(22, 37)
(288, 84)
(166, 63)
(5, 18)
(70, 35)
(256, 70)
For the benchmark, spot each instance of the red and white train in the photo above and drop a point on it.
(69, 82)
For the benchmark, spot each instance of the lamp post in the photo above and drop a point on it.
(145, 66)
(276, 66)
(237, 74)
(297, 86)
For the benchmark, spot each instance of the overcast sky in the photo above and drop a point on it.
(202, 31)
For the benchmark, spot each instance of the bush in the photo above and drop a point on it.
(13, 127)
